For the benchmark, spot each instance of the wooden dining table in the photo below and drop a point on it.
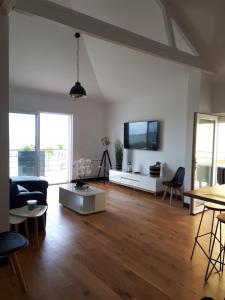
(213, 194)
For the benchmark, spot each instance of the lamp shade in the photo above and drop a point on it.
(77, 91)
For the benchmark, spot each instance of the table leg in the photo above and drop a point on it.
(36, 231)
(165, 193)
(16, 228)
(26, 229)
(171, 195)
(19, 272)
(12, 265)
(43, 223)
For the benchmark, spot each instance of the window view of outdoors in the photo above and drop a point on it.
(204, 153)
(42, 151)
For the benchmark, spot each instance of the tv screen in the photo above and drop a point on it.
(141, 135)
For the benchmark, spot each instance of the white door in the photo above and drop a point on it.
(204, 155)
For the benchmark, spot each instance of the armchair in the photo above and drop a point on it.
(23, 188)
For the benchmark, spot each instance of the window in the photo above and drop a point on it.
(41, 144)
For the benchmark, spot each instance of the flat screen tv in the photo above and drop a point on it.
(141, 135)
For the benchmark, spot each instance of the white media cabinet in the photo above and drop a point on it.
(137, 181)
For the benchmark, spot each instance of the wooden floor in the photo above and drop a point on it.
(138, 249)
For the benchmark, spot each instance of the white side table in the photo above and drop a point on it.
(15, 220)
(39, 211)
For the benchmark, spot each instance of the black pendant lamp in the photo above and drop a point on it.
(77, 90)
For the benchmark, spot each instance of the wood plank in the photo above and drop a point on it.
(138, 249)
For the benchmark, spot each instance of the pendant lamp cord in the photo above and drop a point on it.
(78, 49)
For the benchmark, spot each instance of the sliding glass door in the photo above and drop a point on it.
(55, 142)
(204, 156)
(22, 141)
(41, 144)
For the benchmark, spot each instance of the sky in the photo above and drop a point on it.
(54, 130)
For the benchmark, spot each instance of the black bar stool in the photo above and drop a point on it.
(220, 257)
(214, 208)
(10, 243)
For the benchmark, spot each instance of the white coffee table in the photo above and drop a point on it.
(24, 212)
(83, 201)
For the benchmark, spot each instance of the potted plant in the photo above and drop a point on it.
(119, 154)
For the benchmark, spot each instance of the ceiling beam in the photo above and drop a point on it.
(174, 10)
(106, 31)
(169, 27)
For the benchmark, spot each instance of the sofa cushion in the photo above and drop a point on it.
(21, 189)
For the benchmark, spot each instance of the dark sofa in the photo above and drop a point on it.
(23, 188)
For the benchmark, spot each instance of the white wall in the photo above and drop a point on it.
(165, 104)
(88, 117)
(173, 103)
(205, 105)
(218, 105)
(193, 105)
(4, 102)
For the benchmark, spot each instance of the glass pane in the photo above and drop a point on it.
(22, 154)
(54, 145)
(204, 153)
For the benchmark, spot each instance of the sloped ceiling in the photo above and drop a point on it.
(124, 74)
(42, 58)
(205, 18)
(207, 22)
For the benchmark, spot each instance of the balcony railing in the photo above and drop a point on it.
(50, 163)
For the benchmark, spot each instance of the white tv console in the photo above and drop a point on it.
(137, 181)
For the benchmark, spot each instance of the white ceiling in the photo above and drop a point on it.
(125, 74)
(42, 58)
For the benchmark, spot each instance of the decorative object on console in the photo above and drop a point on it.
(77, 91)
(82, 168)
(119, 154)
(154, 170)
(129, 167)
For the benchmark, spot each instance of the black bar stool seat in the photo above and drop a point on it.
(10, 243)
